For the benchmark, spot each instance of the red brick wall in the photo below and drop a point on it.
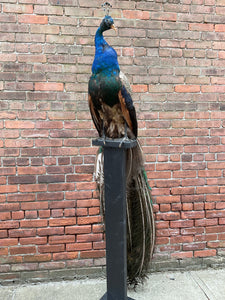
(173, 54)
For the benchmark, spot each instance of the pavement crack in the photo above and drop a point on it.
(203, 286)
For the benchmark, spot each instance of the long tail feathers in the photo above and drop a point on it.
(140, 217)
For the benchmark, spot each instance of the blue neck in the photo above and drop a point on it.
(99, 40)
(105, 56)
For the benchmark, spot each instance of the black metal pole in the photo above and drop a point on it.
(115, 216)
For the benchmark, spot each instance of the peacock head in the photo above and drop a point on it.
(107, 23)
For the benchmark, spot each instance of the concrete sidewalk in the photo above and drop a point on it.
(190, 285)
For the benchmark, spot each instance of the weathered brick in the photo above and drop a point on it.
(48, 10)
(24, 267)
(205, 253)
(18, 8)
(65, 255)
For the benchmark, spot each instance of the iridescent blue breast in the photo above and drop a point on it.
(105, 59)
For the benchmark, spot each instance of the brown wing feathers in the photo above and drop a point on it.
(125, 111)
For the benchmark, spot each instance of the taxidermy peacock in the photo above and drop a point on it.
(114, 116)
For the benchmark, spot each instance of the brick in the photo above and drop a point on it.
(57, 213)
(52, 266)
(4, 251)
(187, 88)
(50, 86)
(8, 242)
(65, 151)
(192, 215)
(25, 188)
(59, 169)
(212, 89)
(181, 223)
(201, 27)
(62, 222)
(22, 233)
(215, 214)
(19, 124)
(18, 215)
(88, 220)
(219, 244)
(9, 207)
(167, 232)
(48, 10)
(143, 15)
(79, 247)
(7, 58)
(8, 189)
(24, 267)
(61, 239)
(51, 248)
(181, 239)
(22, 250)
(33, 241)
(34, 205)
(182, 190)
(65, 255)
(99, 245)
(18, 8)
(168, 216)
(78, 195)
(78, 229)
(33, 223)
(69, 212)
(94, 211)
(18, 143)
(50, 231)
(139, 88)
(82, 238)
(33, 19)
(63, 39)
(219, 28)
(93, 254)
(161, 240)
(205, 253)
(50, 196)
(37, 258)
(49, 29)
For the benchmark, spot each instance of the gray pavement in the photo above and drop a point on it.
(193, 285)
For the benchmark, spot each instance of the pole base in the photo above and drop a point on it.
(105, 298)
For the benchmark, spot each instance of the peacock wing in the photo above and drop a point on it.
(94, 104)
(95, 116)
(126, 103)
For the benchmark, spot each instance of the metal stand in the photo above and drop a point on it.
(115, 215)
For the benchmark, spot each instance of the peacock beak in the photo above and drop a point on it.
(113, 27)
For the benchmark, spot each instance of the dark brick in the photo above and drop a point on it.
(20, 179)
